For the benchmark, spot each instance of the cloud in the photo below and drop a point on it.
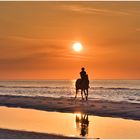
(101, 11)
(29, 62)
(20, 46)
(20, 53)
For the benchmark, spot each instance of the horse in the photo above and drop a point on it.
(82, 85)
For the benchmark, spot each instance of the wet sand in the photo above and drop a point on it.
(16, 134)
(69, 105)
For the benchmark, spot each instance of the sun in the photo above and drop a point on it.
(77, 47)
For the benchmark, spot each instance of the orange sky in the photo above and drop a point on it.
(36, 40)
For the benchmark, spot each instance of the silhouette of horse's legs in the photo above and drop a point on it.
(87, 94)
(76, 93)
(82, 94)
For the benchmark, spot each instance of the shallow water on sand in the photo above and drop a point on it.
(80, 125)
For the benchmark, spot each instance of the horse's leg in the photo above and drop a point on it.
(76, 93)
(87, 94)
(82, 94)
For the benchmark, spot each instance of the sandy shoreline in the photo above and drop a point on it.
(69, 105)
(16, 134)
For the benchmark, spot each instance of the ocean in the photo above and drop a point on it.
(111, 90)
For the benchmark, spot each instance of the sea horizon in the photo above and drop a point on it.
(61, 79)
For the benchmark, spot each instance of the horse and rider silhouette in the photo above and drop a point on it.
(82, 84)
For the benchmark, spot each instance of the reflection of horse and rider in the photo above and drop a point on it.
(82, 123)
(82, 84)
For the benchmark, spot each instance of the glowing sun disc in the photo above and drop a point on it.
(77, 47)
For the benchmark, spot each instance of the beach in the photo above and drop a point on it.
(69, 105)
(46, 118)
(16, 134)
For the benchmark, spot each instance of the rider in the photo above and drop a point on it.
(83, 73)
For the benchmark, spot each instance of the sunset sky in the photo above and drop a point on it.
(36, 40)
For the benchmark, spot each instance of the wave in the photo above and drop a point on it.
(32, 87)
(23, 87)
(68, 87)
(113, 88)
